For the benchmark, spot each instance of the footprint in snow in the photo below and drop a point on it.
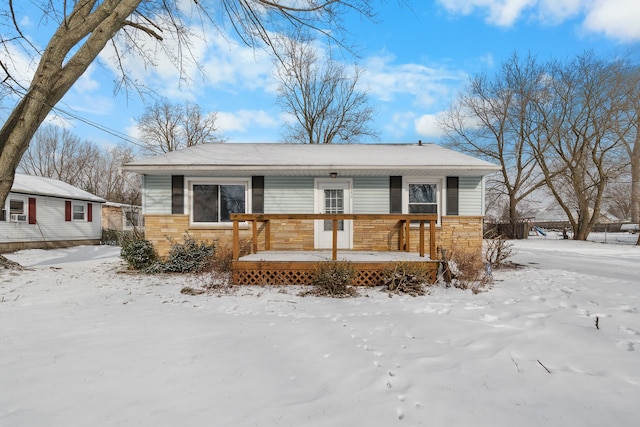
(627, 345)
(489, 318)
(538, 316)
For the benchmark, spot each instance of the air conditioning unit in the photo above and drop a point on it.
(18, 218)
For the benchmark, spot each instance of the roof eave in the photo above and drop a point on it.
(307, 169)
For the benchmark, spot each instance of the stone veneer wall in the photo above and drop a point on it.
(457, 234)
(376, 235)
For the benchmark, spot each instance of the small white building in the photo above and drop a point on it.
(47, 213)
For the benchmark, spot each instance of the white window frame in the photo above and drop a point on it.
(7, 207)
(190, 182)
(73, 211)
(440, 194)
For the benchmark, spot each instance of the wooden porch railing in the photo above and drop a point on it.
(403, 238)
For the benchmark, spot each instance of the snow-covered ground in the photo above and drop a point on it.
(84, 345)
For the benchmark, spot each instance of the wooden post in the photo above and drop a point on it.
(255, 236)
(334, 247)
(422, 238)
(236, 240)
(432, 240)
(407, 226)
(401, 235)
(267, 235)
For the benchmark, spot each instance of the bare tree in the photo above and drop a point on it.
(105, 179)
(618, 201)
(86, 26)
(321, 96)
(167, 126)
(576, 149)
(495, 118)
(59, 154)
(627, 128)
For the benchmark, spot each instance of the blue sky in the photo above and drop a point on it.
(415, 60)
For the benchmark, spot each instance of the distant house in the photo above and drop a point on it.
(47, 213)
(121, 216)
(198, 190)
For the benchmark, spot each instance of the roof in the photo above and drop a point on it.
(41, 186)
(313, 159)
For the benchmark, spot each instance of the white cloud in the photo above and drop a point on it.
(399, 123)
(554, 12)
(617, 19)
(499, 12)
(86, 83)
(25, 22)
(427, 126)
(182, 72)
(427, 85)
(20, 66)
(244, 120)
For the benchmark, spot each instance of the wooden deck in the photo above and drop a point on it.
(283, 267)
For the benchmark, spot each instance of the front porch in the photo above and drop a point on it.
(378, 241)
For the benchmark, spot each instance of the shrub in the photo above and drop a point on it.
(138, 253)
(405, 278)
(333, 279)
(468, 271)
(192, 256)
(222, 259)
(497, 250)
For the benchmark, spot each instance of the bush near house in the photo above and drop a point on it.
(333, 279)
(192, 256)
(405, 278)
(138, 253)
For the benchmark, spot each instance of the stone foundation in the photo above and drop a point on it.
(456, 234)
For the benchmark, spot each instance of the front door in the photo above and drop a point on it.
(333, 196)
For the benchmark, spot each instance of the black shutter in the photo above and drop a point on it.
(177, 194)
(452, 195)
(257, 194)
(395, 194)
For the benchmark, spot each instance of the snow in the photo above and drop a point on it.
(281, 159)
(82, 343)
(29, 184)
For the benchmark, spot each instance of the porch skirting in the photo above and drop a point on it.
(298, 267)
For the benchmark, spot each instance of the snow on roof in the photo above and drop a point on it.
(38, 185)
(297, 159)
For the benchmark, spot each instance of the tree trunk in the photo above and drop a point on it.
(86, 31)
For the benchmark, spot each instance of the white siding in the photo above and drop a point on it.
(470, 196)
(51, 225)
(371, 195)
(288, 194)
(156, 194)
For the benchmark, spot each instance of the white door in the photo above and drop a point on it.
(333, 196)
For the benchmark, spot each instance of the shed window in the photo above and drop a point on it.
(17, 210)
(16, 207)
(215, 202)
(79, 212)
(132, 219)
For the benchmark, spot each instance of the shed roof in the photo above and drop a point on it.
(313, 159)
(41, 186)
